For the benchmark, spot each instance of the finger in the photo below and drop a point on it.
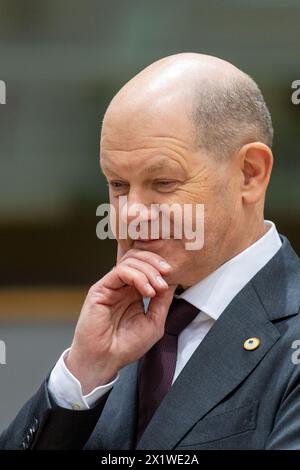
(151, 272)
(124, 275)
(149, 257)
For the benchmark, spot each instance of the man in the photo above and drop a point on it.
(188, 129)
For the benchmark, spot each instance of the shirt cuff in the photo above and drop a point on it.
(66, 389)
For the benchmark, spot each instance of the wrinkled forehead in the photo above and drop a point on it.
(154, 145)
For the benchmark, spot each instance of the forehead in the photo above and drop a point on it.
(149, 139)
(137, 164)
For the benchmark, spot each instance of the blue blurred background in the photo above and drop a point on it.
(62, 62)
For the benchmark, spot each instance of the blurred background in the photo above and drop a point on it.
(62, 61)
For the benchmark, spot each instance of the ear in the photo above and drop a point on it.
(256, 162)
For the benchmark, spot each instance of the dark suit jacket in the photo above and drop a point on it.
(226, 397)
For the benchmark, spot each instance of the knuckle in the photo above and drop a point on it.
(95, 292)
(141, 277)
(129, 262)
(119, 269)
(93, 289)
(154, 273)
(160, 332)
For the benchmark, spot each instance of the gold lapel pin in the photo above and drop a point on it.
(251, 343)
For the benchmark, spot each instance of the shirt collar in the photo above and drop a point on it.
(213, 294)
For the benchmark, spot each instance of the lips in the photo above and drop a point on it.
(147, 239)
(150, 244)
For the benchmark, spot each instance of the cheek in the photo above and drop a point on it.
(220, 218)
(222, 198)
(192, 194)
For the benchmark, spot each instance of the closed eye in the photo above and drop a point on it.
(117, 184)
(166, 185)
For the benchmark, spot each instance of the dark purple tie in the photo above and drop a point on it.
(157, 367)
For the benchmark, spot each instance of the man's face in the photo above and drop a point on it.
(151, 159)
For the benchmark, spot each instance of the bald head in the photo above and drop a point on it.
(224, 106)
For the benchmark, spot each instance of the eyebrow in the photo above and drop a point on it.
(162, 164)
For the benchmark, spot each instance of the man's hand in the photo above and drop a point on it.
(113, 330)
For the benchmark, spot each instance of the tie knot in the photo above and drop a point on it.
(181, 313)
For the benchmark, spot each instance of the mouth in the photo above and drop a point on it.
(147, 240)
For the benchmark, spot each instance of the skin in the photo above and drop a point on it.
(148, 154)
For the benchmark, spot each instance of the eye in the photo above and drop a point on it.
(165, 185)
(117, 185)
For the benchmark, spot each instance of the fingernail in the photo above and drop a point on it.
(149, 288)
(161, 281)
(165, 265)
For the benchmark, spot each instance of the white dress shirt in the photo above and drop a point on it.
(211, 296)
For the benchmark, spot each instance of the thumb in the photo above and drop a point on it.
(159, 306)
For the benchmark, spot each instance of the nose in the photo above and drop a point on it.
(138, 211)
